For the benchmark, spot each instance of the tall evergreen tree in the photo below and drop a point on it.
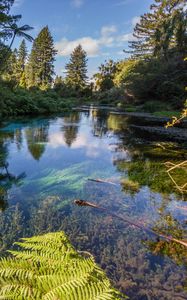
(161, 30)
(10, 71)
(40, 69)
(77, 69)
(21, 61)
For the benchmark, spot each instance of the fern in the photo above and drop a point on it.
(49, 268)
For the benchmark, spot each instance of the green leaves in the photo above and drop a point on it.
(49, 268)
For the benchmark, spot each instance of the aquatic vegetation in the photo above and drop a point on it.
(11, 227)
(129, 185)
(174, 250)
(49, 267)
(147, 168)
(72, 178)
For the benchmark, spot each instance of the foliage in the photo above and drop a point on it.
(16, 101)
(76, 69)
(162, 30)
(156, 70)
(40, 69)
(146, 170)
(9, 30)
(49, 268)
(130, 186)
(104, 79)
(154, 80)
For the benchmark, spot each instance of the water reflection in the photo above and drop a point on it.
(58, 156)
(7, 179)
(37, 137)
(71, 128)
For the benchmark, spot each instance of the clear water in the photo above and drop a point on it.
(46, 164)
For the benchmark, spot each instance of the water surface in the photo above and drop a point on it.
(46, 164)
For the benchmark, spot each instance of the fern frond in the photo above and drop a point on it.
(49, 268)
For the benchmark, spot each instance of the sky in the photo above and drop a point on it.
(102, 27)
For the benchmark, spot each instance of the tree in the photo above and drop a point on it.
(20, 31)
(77, 69)
(161, 29)
(40, 68)
(10, 67)
(104, 79)
(10, 29)
(21, 62)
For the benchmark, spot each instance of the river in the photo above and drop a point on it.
(46, 163)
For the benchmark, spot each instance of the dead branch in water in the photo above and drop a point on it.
(102, 181)
(132, 223)
(171, 167)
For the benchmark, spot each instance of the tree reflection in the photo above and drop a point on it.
(116, 123)
(7, 180)
(71, 128)
(37, 138)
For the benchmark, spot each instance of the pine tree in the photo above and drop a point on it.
(21, 62)
(40, 69)
(156, 33)
(77, 69)
(10, 73)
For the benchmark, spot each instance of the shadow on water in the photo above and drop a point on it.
(58, 157)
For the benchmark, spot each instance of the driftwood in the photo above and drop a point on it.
(130, 222)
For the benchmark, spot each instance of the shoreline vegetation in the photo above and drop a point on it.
(152, 79)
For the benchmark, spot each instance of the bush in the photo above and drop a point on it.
(18, 101)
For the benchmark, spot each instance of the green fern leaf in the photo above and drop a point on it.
(49, 268)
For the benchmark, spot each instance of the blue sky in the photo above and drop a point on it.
(103, 27)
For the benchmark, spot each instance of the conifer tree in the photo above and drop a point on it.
(77, 69)
(40, 69)
(10, 73)
(21, 62)
(160, 30)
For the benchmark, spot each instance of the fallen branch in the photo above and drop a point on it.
(102, 181)
(130, 222)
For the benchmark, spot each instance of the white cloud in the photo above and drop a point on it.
(135, 20)
(90, 45)
(107, 30)
(108, 38)
(77, 3)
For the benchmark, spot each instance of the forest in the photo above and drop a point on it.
(152, 78)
